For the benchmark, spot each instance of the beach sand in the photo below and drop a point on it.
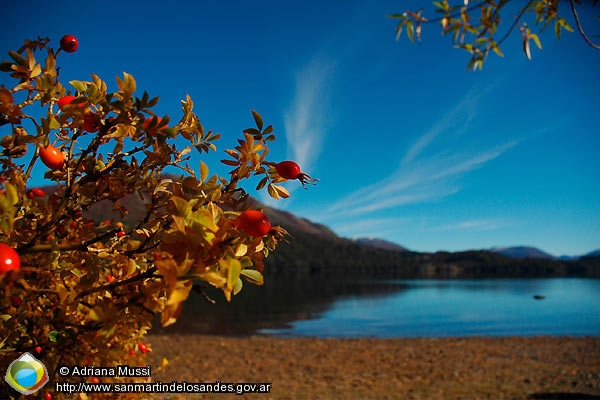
(432, 368)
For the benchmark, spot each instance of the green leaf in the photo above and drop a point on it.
(238, 286)
(184, 209)
(497, 49)
(6, 66)
(205, 219)
(252, 131)
(268, 129)
(565, 24)
(235, 268)
(410, 31)
(53, 123)
(440, 5)
(19, 59)
(253, 276)
(258, 119)
(81, 87)
(262, 183)
(399, 28)
(53, 336)
(11, 193)
(170, 131)
(152, 102)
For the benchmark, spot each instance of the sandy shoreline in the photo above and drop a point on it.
(432, 368)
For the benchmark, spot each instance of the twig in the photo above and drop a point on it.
(200, 289)
(580, 28)
(517, 19)
(148, 274)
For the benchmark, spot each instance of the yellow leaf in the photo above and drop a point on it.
(132, 267)
(497, 50)
(204, 218)
(526, 49)
(213, 278)
(129, 83)
(62, 292)
(203, 171)
(97, 314)
(536, 39)
(283, 192)
(241, 250)
(180, 293)
(182, 206)
(170, 314)
(11, 193)
(168, 269)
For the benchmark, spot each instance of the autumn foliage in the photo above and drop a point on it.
(87, 291)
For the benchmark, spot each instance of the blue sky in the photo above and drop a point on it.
(408, 145)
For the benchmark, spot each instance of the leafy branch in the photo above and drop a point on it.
(460, 21)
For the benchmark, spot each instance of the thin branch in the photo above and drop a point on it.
(200, 289)
(581, 28)
(455, 14)
(149, 273)
(514, 24)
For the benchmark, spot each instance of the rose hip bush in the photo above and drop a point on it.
(79, 291)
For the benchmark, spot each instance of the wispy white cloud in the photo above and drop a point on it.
(460, 115)
(477, 225)
(428, 170)
(307, 119)
(376, 227)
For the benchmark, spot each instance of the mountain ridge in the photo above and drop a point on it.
(312, 231)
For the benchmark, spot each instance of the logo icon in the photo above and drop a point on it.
(27, 374)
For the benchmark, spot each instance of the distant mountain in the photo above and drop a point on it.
(522, 252)
(379, 244)
(316, 250)
(595, 253)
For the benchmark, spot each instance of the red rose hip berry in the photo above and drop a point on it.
(291, 170)
(254, 223)
(143, 348)
(9, 259)
(38, 192)
(16, 301)
(288, 169)
(52, 157)
(91, 123)
(69, 43)
(66, 100)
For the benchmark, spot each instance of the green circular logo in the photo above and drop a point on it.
(27, 374)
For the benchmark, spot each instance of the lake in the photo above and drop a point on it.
(322, 307)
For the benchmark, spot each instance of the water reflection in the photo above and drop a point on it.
(326, 307)
(275, 305)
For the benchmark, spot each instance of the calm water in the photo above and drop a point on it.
(407, 308)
